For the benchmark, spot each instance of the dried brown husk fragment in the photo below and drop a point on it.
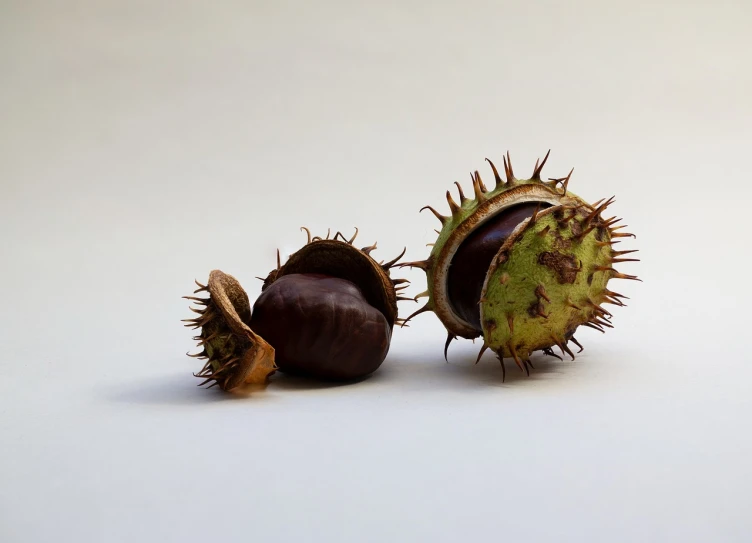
(236, 357)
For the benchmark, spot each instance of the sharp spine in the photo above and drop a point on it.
(503, 367)
(423, 309)
(479, 195)
(517, 360)
(614, 294)
(367, 250)
(566, 181)
(598, 210)
(540, 292)
(591, 325)
(450, 338)
(482, 350)
(453, 207)
(438, 215)
(392, 262)
(497, 177)
(422, 264)
(508, 169)
(463, 199)
(538, 168)
(621, 253)
(619, 275)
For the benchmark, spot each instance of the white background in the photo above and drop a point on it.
(143, 144)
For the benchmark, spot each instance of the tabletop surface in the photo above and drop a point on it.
(144, 144)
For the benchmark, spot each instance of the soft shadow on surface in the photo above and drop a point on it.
(174, 390)
(417, 372)
(462, 371)
(489, 372)
(180, 389)
(286, 381)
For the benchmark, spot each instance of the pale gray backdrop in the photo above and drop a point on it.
(145, 143)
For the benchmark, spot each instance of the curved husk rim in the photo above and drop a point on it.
(257, 356)
(345, 261)
(452, 238)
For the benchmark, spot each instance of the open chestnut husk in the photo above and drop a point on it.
(523, 264)
(235, 355)
(328, 313)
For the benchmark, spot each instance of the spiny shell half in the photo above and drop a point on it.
(549, 276)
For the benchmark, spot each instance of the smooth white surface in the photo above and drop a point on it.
(143, 144)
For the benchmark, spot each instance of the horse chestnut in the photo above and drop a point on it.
(467, 273)
(327, 313)
(321, 326)
(523, 265)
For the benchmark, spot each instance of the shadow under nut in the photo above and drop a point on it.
(321, 326)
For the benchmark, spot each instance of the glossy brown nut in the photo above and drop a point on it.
(322, 327)
(473, 258)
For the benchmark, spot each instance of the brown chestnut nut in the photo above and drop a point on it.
(468, 270)
(327, 313)
(321, 326)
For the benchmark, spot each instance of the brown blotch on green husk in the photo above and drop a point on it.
(559, 259)
(565, 266)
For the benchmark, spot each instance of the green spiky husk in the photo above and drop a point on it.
(544, 283)
(527, 303)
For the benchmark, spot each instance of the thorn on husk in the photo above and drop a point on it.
(538, 168)
(573, 340)
(423, 309)
(450, 338)
(497, 177)
(482, 350)
(438, 215)
(463, 199)
(392, 262)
